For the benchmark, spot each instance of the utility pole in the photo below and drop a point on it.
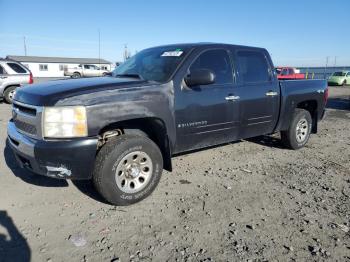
(325, 69)
(126, 53)
(335, 62)
(25, 45)
(99, 47)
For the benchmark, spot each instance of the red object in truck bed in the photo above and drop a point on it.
(288, 73)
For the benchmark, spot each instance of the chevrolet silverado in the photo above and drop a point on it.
(121, 131)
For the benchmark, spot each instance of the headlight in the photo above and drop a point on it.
(64, 122)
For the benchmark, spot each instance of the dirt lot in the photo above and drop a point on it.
(246, 201)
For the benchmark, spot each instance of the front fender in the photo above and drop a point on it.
(110, 107)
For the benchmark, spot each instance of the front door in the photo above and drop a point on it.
(207, 115)
(259, 93)
(88, 70)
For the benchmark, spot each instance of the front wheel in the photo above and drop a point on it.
(128, 169)
(299, 130)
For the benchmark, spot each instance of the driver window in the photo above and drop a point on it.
(217, 61)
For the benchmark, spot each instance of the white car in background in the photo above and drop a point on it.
(12, 76)
(85, 71)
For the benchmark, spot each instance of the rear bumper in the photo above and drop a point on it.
(69, 159)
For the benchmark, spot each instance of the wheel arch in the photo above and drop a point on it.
(153, 127)
(11, 85)
(310, 106)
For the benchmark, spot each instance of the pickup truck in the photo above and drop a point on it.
(288, 73)
(121, 131)
(85, 71)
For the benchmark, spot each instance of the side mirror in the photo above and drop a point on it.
(200, 77)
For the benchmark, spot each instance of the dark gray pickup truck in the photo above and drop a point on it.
(120, 131)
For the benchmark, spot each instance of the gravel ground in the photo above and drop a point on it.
(246, 201)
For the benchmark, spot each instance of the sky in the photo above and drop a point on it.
(296, 33)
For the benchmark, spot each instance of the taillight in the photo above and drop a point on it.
(325, 95)
(31, 78)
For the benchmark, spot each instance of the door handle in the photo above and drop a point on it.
(271, 93)
(231, 98)
(3, 77)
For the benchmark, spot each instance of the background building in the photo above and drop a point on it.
(41, 66)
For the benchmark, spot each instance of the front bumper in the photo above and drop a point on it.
(70, 159)
(333, 83)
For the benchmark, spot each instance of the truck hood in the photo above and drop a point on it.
(49, 93)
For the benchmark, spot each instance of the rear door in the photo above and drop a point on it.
(3, 77)
(205, 115)
(258, 91)
(20, 74)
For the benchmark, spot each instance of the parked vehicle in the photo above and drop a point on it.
(12, 76)
(289, 73)
(85, 71)
(340, 78)
(121, 131)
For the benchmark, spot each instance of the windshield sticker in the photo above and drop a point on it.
(177, 52)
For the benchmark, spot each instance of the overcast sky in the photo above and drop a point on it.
(297, 33)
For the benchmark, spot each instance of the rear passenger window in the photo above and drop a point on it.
(2, 71)
(219, 62)
(17, 68)
(253, 67)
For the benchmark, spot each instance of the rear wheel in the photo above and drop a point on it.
(344, 83)
(299, 130)
(9, 93)
(76, 75)
(128, 169)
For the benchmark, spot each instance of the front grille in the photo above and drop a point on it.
(25, 127)
(23, 109)
(27, 119)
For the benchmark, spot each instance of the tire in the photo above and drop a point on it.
(76, 75)
(9, 94)
(299, 130)
(113, 166)
(344, 83)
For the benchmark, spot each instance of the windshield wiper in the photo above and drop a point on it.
(130, 75)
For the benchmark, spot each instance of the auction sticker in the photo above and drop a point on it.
(173, 53)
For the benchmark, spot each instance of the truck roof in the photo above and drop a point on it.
(207, 44)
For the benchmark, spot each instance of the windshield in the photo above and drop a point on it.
(154, 64)
(338, 74)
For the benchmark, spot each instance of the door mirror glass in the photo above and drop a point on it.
(200, 77)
